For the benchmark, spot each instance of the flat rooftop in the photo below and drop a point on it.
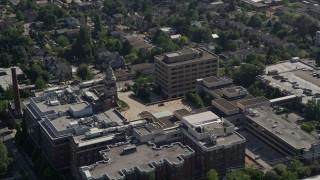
(44, 107)
(282, 129)
(142, 131)
(167, 122)
(79, 106)
(225, 140)
(141, 158)
(61, 123)
(6, 76)
(211, 79)
(225, 104)
(221, 141)
(200, 118)
(204, 55)
(253, 101)
(230, 90)
(297, 72)
(141, 66)
(182, 112)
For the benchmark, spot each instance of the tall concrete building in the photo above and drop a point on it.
(177, 72)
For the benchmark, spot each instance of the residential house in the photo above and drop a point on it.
(119, 18)
(142, 69)
(138, 41)
(113, 58)
(30, 15)
(59, 69)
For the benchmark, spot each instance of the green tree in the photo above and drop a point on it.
(289, 175)
(19, 16)
(199, 35)
(62, 41)
(3, 105)
(4, 2)
(315, 167)
(247, 73)
(19, 54)
(277, 26)
(299, 168)
(270, 175)
(195, 99)
(83, 46)
(255, 21)
(237, 175)
(212, 175)
(84, 73)
(50, 21)
(126, 48)
(255, 90)
(307, 127)
(34, 72)
(276, 93)
(5, 60)
(183, 41)
(40, 83)
(97, 23)
(111, 7)
(142, 87)
(181, 25)
(8, 93)
(312, 110)
(280, 169)
(254, 174)
(5, 161)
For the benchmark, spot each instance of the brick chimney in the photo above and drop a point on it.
(16, 94)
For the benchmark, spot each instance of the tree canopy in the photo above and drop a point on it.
(5, 160)
(313, 109)
(84, 73)
(237, 175)
(247, 73)
(83, 46)
(212, 175)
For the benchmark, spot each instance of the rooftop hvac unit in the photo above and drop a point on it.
(213, 139)
(129, 149)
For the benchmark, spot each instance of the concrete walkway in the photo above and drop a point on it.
(136, 107)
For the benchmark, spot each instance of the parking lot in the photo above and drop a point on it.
(136, 107)
(294, 73)
(260, 149)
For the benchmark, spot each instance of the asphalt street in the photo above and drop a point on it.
(19, 156)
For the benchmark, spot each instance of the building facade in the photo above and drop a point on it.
(177, 72)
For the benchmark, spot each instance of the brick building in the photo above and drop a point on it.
(71, 124)
(126, 161)
(213, 139)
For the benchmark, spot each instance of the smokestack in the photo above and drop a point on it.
(16, 94)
